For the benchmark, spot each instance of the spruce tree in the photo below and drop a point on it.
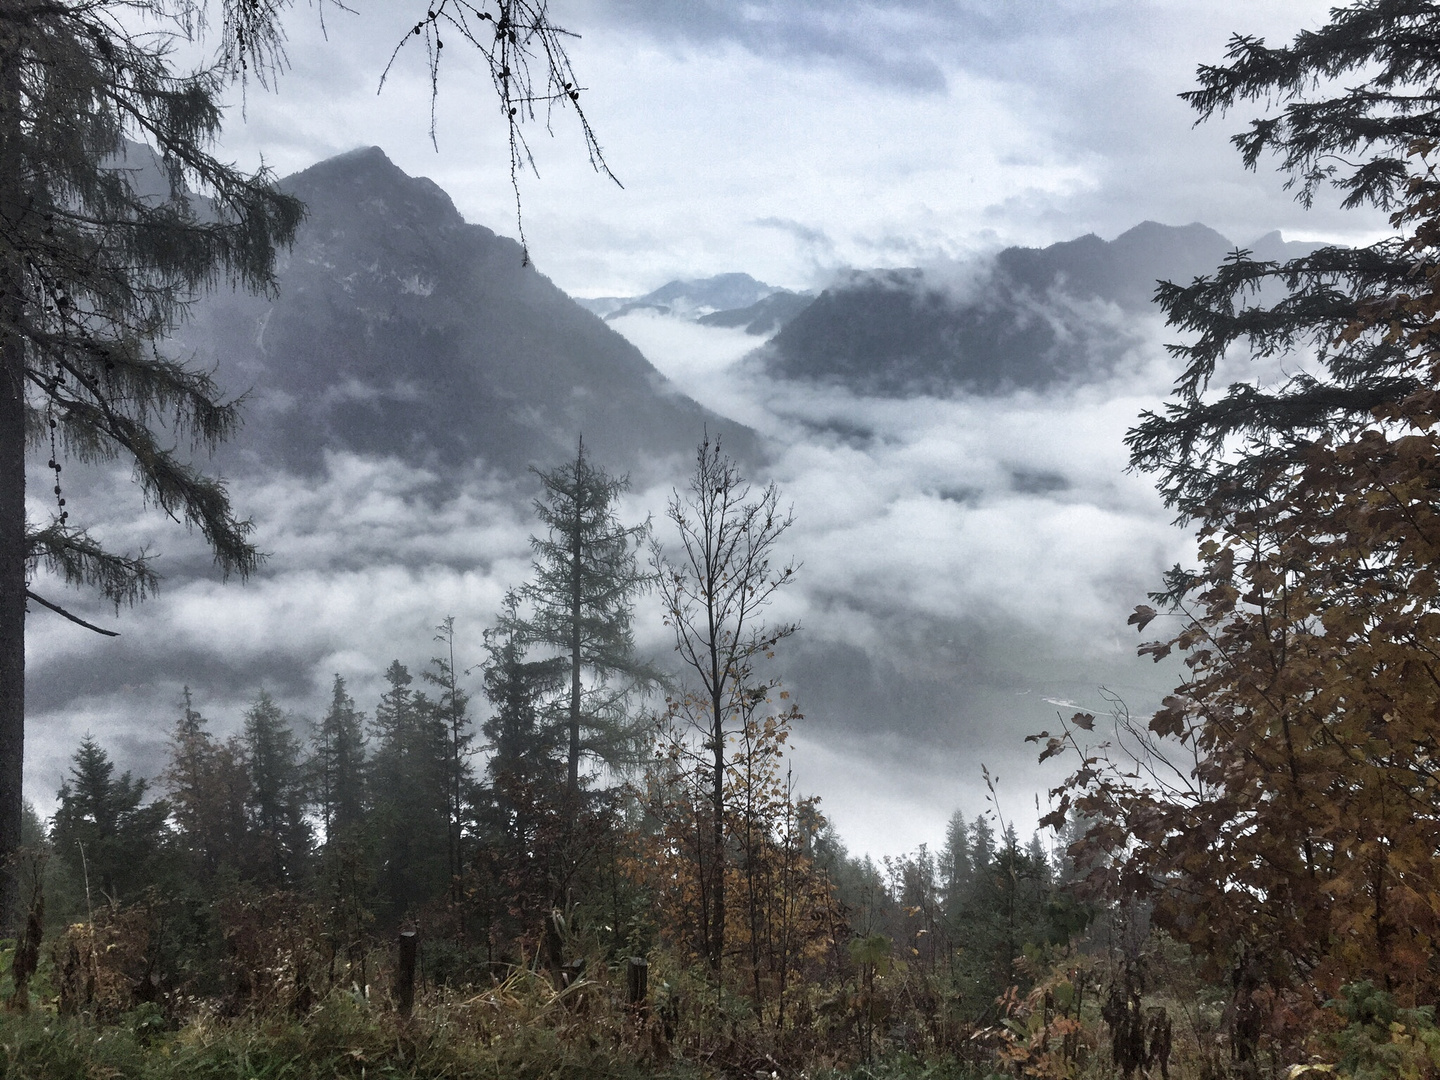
(527, 764)
(338, 765)
(102, 832)
(579, 607)
(409, 796)
(279, 833)
(982, 847)
(451, 708)
(955, 862)
(1355, 99)
(207, 785)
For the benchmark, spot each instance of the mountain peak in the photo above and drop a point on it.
(1046, 315)
(400, 330)
(366, 182)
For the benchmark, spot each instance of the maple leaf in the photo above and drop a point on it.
(1141, 617)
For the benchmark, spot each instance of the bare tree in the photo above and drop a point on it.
(716, 585)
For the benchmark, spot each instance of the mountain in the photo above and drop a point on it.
(733, 300)
(764, 316)
(399, 329)
(1028, 318)
(687, 299)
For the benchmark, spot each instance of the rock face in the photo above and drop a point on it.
(399, 329)
(1028, 318)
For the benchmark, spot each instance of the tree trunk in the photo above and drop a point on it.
(12, 498)
(572, 777)
(716, 944)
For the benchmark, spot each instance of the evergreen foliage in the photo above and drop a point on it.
(339, 767)
(579, 605)
(207, 784)
(410, 796)
(527, 757)
(102, 832)
(279, 833)
(1355, 99)
(451, 710)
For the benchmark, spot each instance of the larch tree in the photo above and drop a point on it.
(95, 272)
(579, 607)
(716, 584)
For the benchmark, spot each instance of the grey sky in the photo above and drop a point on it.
(896, 131)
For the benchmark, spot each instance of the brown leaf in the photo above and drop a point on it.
(1141, 616)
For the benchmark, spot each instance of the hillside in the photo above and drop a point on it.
(1028, 318)
(400, 329)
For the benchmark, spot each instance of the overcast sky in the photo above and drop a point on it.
(789, 140)
(792, 137)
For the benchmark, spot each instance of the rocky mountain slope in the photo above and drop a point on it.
(400, 329)
(1028, 318)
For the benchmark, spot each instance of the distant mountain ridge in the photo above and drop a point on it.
(1031, 318)
(735, 300)
(400, 329)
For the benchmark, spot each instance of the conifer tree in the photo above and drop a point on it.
(207, 786)
(982, 845)
(955, 866)
(451, 709)
(410, 796)
(579, 607)
(280, 835)
(1355, 99)
(102, 832)
(527, 757)
(338, 765)
(93, 273)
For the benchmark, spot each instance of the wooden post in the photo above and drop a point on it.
(405, 975)
(637, 978)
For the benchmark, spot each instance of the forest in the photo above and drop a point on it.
(600, 866)
(599, 826)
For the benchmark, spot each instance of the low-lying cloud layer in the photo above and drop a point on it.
(967, 562)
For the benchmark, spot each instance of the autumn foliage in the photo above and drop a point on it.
(1282, 809)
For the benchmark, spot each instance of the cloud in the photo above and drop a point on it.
(963, 561)
(1051, 120)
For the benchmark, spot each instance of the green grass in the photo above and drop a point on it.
(340, 1039)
